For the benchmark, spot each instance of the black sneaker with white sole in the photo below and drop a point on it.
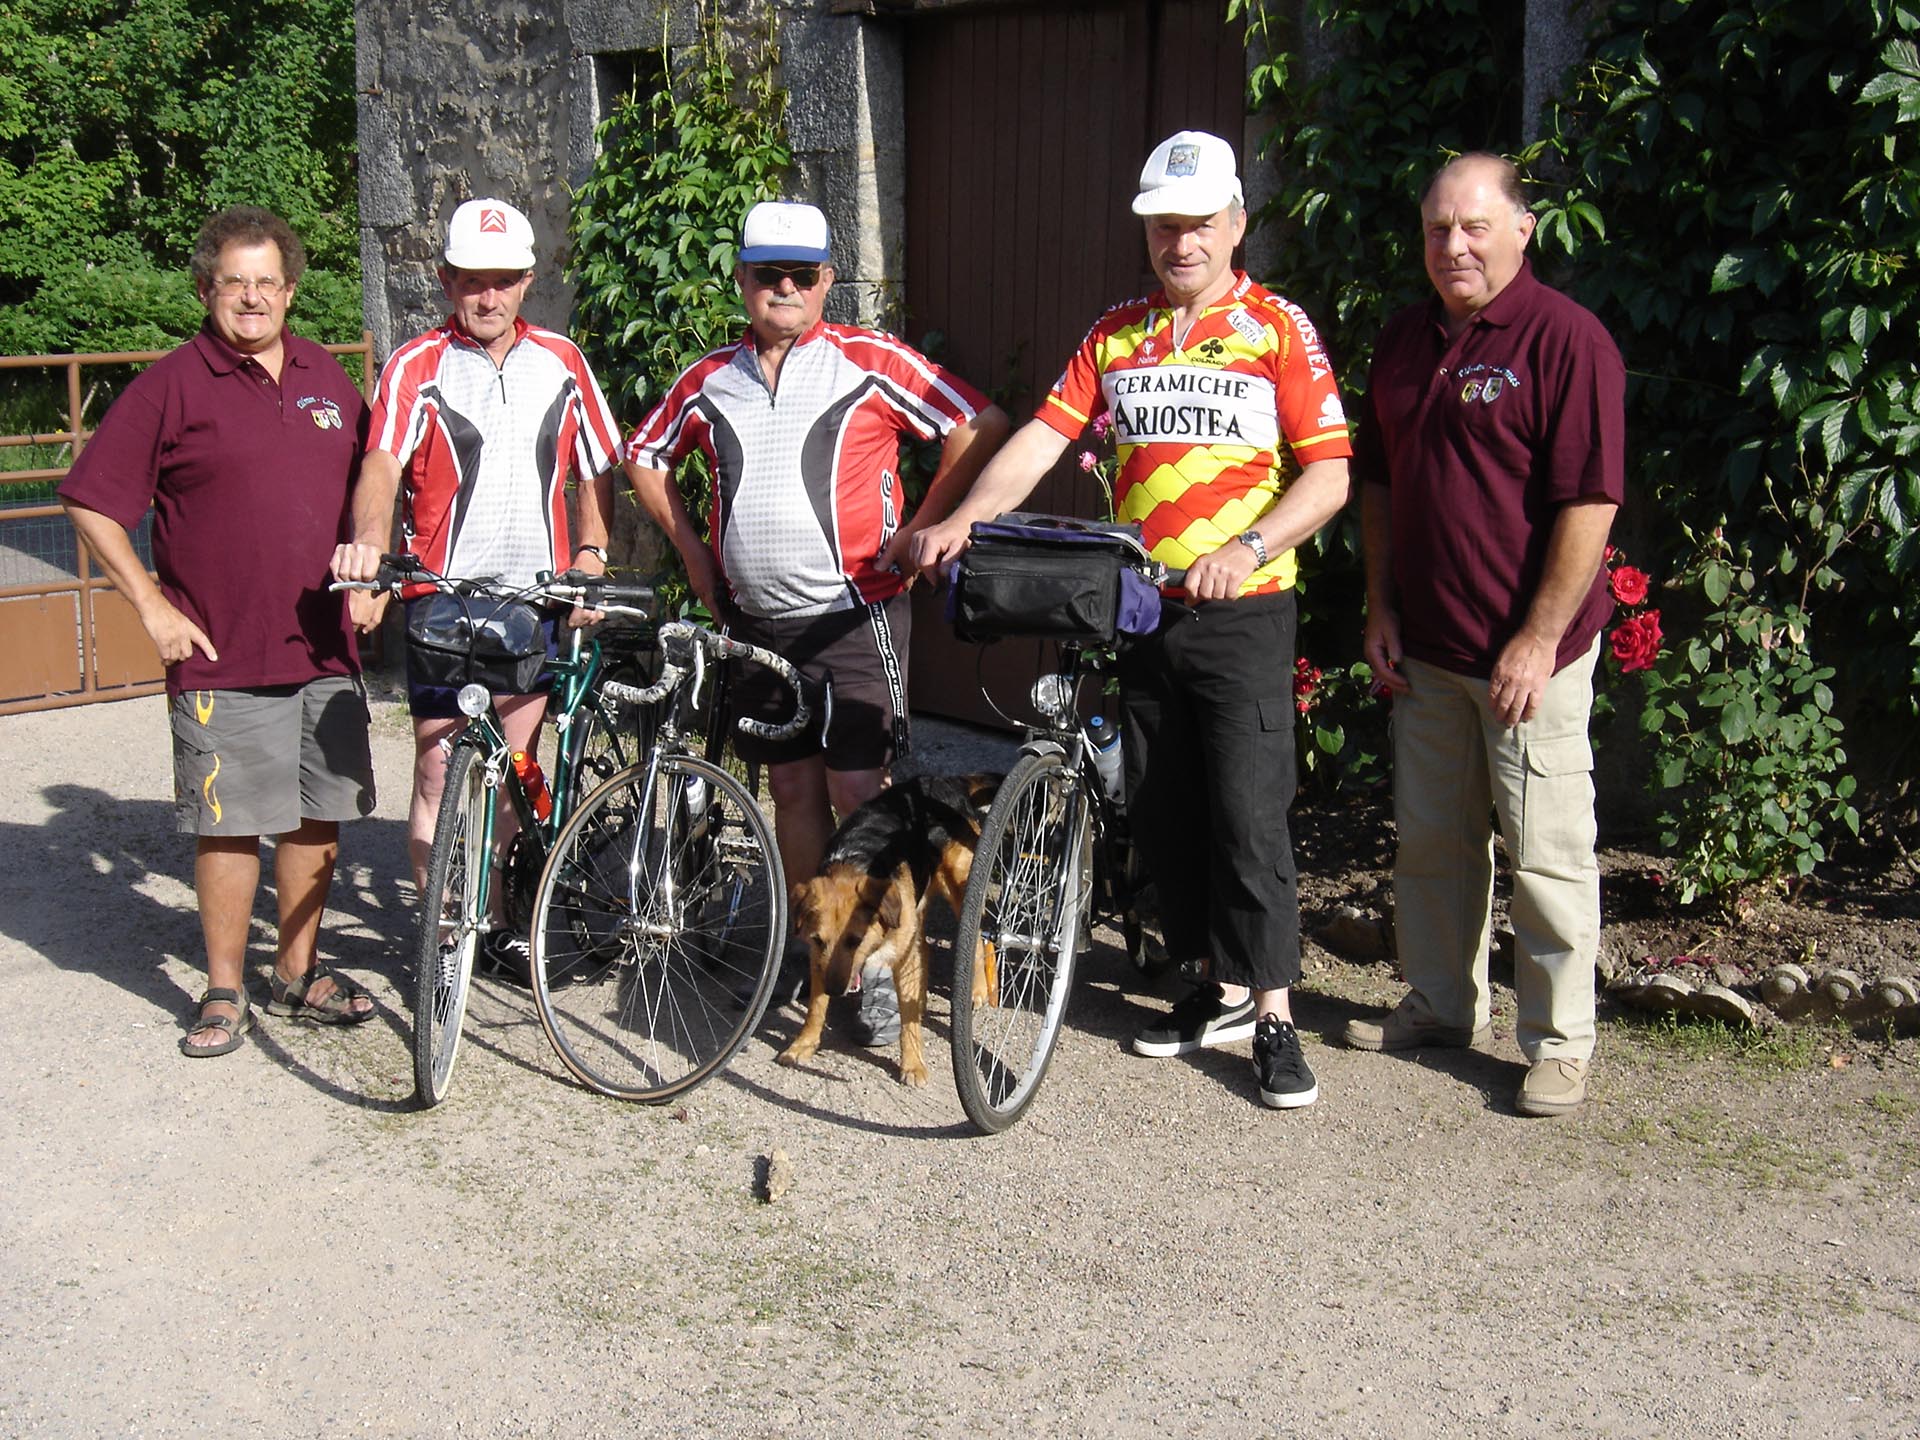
(1286, 1083)
(1198, 1020)
(504, 955)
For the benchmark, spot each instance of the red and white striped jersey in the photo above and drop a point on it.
(487, 449)
(806, 484)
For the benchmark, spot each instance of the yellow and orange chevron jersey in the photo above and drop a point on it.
(1199, 428)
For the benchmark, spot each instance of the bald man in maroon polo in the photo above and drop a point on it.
(1491, 462)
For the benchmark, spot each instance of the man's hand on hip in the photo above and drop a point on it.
(173, 634)
(366, 609)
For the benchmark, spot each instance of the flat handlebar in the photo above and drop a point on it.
(593, 592)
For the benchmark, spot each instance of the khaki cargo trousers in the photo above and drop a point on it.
(1454, 763)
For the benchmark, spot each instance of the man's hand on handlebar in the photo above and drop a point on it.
(356, 562)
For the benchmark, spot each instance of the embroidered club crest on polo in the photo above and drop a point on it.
(1491, 389)
(324, 413)
(1183, 160)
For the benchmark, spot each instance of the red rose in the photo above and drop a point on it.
(1636, 641)
(1629, 585)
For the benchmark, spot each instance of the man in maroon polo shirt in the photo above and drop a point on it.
(245, 441)
(1491, 466)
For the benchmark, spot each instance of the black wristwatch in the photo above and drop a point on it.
(1251, 539)
(580, 550)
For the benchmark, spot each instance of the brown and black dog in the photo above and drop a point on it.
(868, 904)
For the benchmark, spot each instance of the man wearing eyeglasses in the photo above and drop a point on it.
(486, 418)
(245, 442)
(808, 537)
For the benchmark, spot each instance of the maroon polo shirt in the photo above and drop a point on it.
(249, 482)
(1481, 439)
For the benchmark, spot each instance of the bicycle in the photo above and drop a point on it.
(661, 915)
(593, 743)
(1054, 847)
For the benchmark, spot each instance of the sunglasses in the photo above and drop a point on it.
(804, 277)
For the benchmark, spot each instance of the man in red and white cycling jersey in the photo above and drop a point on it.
(485, 417)
(800, 422)
(1233, 449)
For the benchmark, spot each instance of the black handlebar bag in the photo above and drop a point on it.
(1040, 578)
(473, 640)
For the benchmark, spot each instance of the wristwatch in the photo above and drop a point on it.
(1251, 539)
(595, 550)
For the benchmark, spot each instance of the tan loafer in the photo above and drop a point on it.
(1553, 1087)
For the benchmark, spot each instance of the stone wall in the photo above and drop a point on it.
(459, 99)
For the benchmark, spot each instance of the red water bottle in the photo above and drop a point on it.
(534, 783)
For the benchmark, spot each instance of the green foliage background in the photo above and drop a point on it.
(1732, 188)
(124, 123)
(656, 227)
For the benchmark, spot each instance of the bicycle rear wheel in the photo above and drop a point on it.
(1025, 900)
(663, 900)
(451, 910)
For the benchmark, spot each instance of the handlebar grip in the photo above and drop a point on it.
(595, 591)
(727, 647)
(635, 695)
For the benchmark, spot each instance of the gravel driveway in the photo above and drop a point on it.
(275, 1243)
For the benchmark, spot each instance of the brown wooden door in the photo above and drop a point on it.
(1026, 131)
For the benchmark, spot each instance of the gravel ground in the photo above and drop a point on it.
(276, 1243)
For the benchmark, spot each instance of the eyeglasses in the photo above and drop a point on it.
(268, 285)
(804, 277)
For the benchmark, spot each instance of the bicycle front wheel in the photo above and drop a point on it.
(658, 929)
(1019, 936)
(451, 910)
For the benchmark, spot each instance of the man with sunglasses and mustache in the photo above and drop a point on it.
(808, 538)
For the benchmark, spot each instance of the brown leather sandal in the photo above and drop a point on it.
(290, 998)
(234, 1027)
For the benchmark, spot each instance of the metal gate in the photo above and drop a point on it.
(1026, 130)
(67, 637)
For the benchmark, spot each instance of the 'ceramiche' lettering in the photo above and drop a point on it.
(1224, 386)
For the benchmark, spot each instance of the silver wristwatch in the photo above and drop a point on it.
(1251, 539)
(599, 553)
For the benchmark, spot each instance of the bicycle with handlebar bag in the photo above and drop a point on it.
(479, 637)
(1054, 848)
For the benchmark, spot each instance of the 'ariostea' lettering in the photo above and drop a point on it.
(1145, 423)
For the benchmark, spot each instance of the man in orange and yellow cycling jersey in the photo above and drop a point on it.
(1232, 450)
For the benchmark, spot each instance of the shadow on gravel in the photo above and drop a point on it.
(74, 890)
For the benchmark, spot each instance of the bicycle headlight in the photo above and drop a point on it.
(1052, 697)
(473, 701)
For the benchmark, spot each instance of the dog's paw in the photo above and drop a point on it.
(796, 1054)
(914, 1075)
